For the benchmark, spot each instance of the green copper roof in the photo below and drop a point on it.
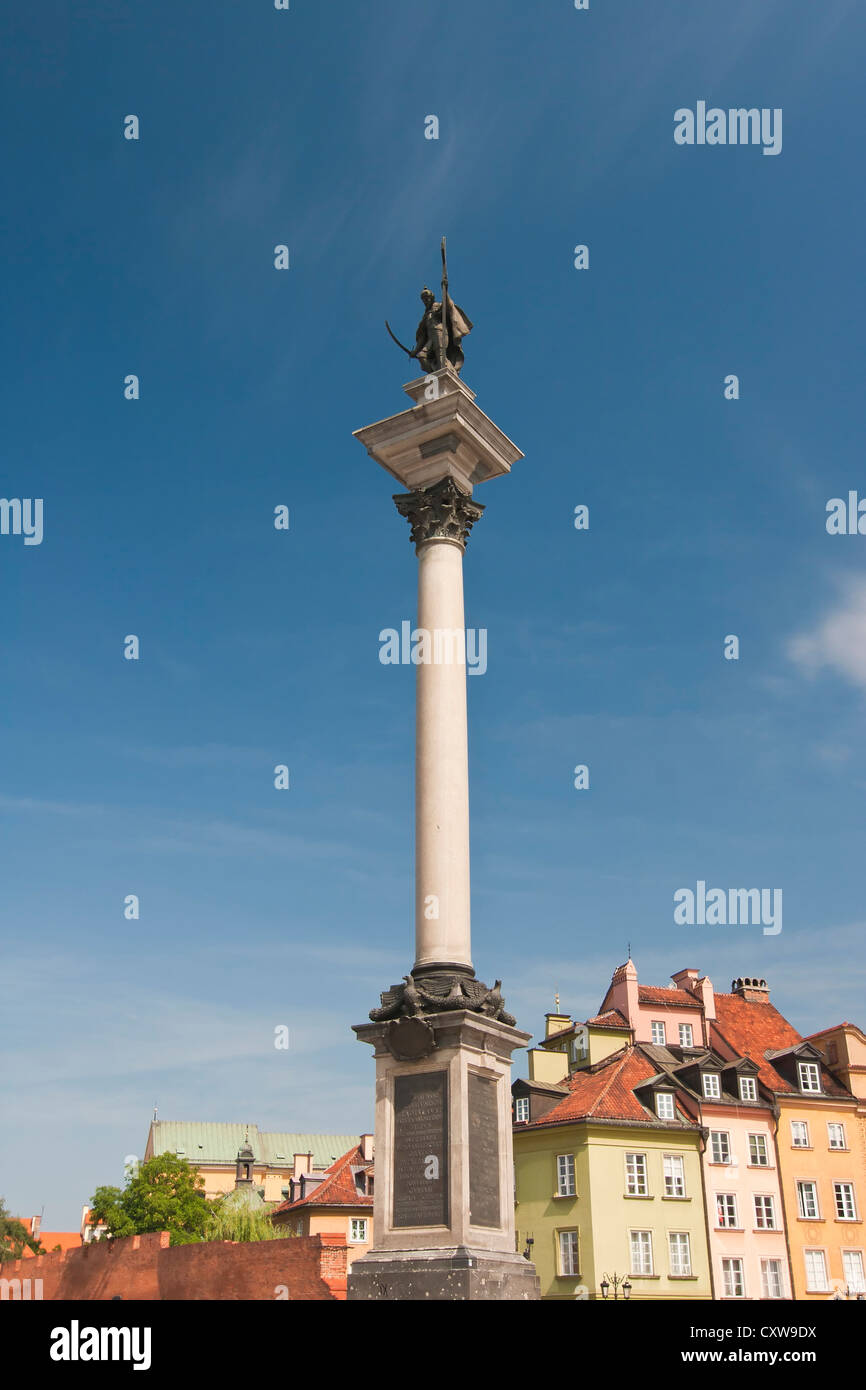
(216, 1143)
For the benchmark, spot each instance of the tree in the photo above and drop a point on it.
(227, 1220)
(166, 1194)
(14, 1236)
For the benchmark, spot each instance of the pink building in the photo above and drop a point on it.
(745, 1214)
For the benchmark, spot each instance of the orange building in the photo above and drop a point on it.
(336, 1202)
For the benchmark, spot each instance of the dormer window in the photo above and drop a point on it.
(712, 1085)
(521, 1110)
(665, 1108)
(748, 1088)
(809, 1075)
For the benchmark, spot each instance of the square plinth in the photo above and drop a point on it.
(444, 434)
(437, 1276)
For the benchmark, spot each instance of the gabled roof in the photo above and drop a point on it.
(606, 1091)
(337, 1188)
(757, 1030)
(611, 1018)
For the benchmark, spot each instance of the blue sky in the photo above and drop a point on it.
(605, 647)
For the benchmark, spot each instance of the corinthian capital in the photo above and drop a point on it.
(439, 513)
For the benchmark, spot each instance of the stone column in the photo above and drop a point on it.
(441, 517)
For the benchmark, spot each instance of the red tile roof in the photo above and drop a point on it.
(660, 994)
(605, 1092)
(337, 1188)
(611, 1018)
(751, 1029)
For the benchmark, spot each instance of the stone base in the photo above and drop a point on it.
(454, 1274)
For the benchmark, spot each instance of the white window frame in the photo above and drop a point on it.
(857, 1283)
(359, 1222)
(665, 1102)
(835, 1125)
(748, 1088)
(680, 1254)
(758, 1146)
(807, 1196)
(822, 1254)
(565, 1177)
(765, 1206)
(521, 1110)
(675, 1175)
(656, 1025)
(807, 1074)
(724, 1144)
(686, 1028)
(733, 1276)
(797, 1127)
(636, 1175)
(568, 1245)
(843, 1197)
(779, 1278)
(711, 1085)
(640, 1245)
(727, 1211)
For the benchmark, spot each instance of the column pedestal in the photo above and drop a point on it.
(443, 1215)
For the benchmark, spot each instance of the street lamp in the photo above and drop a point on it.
(616, 1282)
(530, 1241)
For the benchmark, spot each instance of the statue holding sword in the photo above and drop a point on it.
(441, 330)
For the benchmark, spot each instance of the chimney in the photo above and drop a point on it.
(303, 1163)
(686, 979)
(366, 1143)
(701, 987)
(623, 992)
(750, 988)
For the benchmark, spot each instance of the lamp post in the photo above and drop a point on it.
(615, 1282)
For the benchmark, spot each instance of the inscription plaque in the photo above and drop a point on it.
(421, 1149)
(484, 1205)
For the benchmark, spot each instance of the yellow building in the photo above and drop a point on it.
(337, 1202)
(608, 1183)
(212, 1149)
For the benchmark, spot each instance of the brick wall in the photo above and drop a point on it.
(146, 1267)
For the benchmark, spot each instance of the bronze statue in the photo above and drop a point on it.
(441, 330)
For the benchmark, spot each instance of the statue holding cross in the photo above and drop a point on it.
(441, 330)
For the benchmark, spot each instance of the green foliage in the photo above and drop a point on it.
(14, 1237)
(227, 1220)
(166, 1194)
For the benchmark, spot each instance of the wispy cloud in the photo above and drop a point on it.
(838, 641)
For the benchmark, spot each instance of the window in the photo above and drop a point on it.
(800, 1134)
(836, 1136)
(807, 1200)
(521, 1109)
(726, 1210)
(565, 1175)
(568, 1253)
(852, 1268)
(810, 1077)
(686, 1035)
(358, 1230)
(720, 1146)
(665, 1108)
(680, 1254)
(748, 1088)
(816, 1271)
(765, 1214)
(635, 1175)
(675, 1178)
(732, 1279)
(758, 1155)
(844, 1194)
(658, 1032)
(712, 1085)
(641, 1252)
(771, 1279)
